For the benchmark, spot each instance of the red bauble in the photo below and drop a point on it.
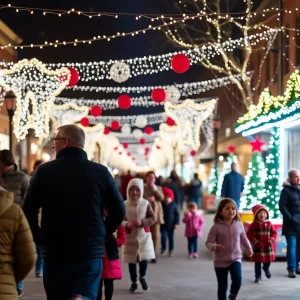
(125, 145)
(180, 63)
(158, 147)
(106, 130)
(124, 101)
(142, 141)
(158, 95)
(148, 130)
(193, 153)
(116, 148)
(96, 111)
(170, 121)
(129, 154)
(147, 149)
(74, 77)
(85, 122)
(115, 125)
(120, 153)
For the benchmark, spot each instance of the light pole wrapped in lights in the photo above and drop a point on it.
(10, 103)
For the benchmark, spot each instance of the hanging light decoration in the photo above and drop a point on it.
(115, 125)
(106, 130)
(96, 111)
(148, 130)
(158, 95)
(124, 101)
(74, 77)
(85, 122)
(180, 63)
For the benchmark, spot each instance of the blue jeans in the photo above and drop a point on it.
(39, 260)
(133, 272)
(235, 270)
(167, 235)
(257, 268)
(66, 279)
(193, 245)
(195, 200)
(20, 285)
(293, 252)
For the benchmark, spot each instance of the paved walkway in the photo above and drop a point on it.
(179, 278)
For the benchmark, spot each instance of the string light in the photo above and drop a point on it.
(17, 79)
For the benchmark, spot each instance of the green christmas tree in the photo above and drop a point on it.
(231, 158)
(255, 179)
(213, 180)
(272, 184)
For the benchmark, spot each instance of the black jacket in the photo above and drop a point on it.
(72, 192)
(171, 215)
(289, 205)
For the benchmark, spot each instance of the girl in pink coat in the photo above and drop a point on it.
(194, 224)
(111, 264)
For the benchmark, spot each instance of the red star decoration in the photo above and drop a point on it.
(231, 149)
(257, 144)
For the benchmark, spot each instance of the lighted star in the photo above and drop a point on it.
(231, 149)
(189, 117)
(257, 144)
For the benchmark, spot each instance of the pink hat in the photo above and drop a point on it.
(257, 208)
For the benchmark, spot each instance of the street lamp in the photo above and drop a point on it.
(217, 125)
(10, 102)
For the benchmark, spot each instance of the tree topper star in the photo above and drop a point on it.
(257, 144)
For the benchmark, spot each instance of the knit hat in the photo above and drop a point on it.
(257, 208)
(168, 193)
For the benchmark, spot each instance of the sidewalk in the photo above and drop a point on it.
(179, 278)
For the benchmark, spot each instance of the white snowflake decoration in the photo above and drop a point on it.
(120, 72)
(173, 94)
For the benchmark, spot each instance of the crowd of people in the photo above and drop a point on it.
(71, 218)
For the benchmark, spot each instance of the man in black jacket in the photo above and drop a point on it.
(289, 205)
(72, 192)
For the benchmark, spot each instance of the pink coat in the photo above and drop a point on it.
(112, 268)
(194, 224)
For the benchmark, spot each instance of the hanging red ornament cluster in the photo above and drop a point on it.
(74, 77)
(96, 111)
(193, 153)
(85, 122)
(170, 121)
(124, 101)
(158, 95)
(106, 130)
(142, 141)
(148, 130)
(125, 145)
(180, 63)
(115, 125)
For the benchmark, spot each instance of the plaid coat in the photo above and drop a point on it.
(260, 234)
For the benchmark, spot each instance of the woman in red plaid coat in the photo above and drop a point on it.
(262, 235)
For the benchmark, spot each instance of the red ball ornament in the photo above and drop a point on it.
(180, 63)
(158, 95)
(125, 145)
(116, 148)
(129, 154)
(170, 121)
(115, 125)
(148, 130)
(106, 130)
(142, 141)
(193, 153)
(147, 149)
(158, 147)
(74, 77)
(85, 122)
(96, 111)
(120, 153)
(124, 101)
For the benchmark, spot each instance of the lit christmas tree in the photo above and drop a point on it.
(272, 184)
(255, 179)
(231, 158)
(213, 180)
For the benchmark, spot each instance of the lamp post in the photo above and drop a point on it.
(217, 125)
(10, 102)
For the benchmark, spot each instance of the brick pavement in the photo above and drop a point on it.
(180, 278)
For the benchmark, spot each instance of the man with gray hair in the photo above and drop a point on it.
(73, 193)
(289, 205)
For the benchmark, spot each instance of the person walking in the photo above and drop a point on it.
(17, 182)
(171, 221)
(194, 224)
(233, 185)
(17, 255)
(73, 193)
(195, 190)
(289, 205)
(138, 247)
(155, 196)
(225, 239)
(112, 269)
(262, 236)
